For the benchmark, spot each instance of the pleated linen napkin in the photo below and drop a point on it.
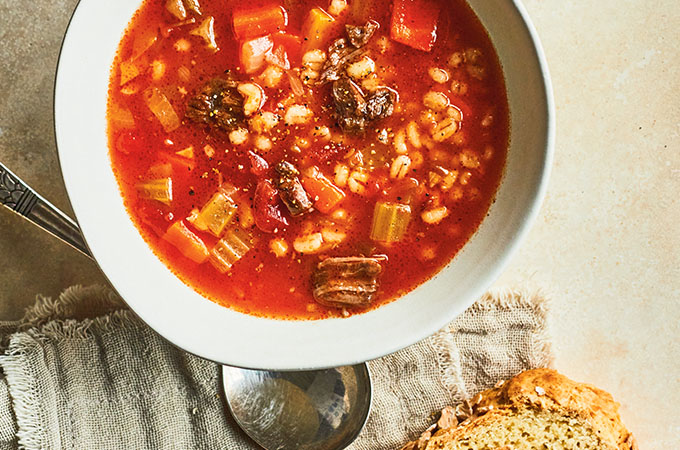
(83, 372)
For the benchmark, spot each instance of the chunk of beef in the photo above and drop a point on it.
(218, 104)
(359, 36)
(339, 55)
(350, 106)
(290, 188)
(341, 52)
(381, 103)
(346, 282)
(355, 111)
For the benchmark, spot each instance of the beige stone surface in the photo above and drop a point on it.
(605, 248)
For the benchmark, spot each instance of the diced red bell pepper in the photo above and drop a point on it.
(258, 165)
(414, 23)
(267, 211)
(251, 23)
(254, 52)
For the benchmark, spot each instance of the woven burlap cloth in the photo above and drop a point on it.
(84, 373)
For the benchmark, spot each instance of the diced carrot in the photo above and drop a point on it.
(253, 53)
(317, 29)
(251, 23)
(323, 192)
(186, 242)
(414, 23)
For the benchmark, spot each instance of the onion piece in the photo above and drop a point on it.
(160, 106)
(194, 6)
(176, 8)
(206, 30)
(278, 57)
(254, 52)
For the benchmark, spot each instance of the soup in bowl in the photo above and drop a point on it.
(301, 184)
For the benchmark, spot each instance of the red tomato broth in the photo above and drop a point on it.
(261, 283)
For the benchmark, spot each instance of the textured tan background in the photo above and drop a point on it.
(606, 246)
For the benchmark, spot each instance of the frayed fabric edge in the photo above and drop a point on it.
(448, 358)
(81, 329)
(24, 394)
(507, 298)
(76, 302)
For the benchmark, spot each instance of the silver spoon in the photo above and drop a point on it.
(312, 410)
(318, 409)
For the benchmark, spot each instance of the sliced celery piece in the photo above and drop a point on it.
(390, 221)
(159, 190)
(216, 214)
(230, 249)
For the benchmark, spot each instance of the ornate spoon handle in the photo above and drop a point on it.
(20, 198)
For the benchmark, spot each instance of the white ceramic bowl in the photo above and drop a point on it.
(214, 332)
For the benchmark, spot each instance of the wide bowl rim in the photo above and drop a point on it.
(272, 359)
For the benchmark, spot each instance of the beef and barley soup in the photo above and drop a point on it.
(307, 159)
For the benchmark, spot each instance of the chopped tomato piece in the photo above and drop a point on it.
(414, 23)
(253, 53)
(268, 215)
(258, 165)
(323, 192)
(317, 28)
(292, 44)
(186, 242)
(251, 23)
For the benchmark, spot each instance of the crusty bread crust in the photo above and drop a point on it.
(540, 390)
